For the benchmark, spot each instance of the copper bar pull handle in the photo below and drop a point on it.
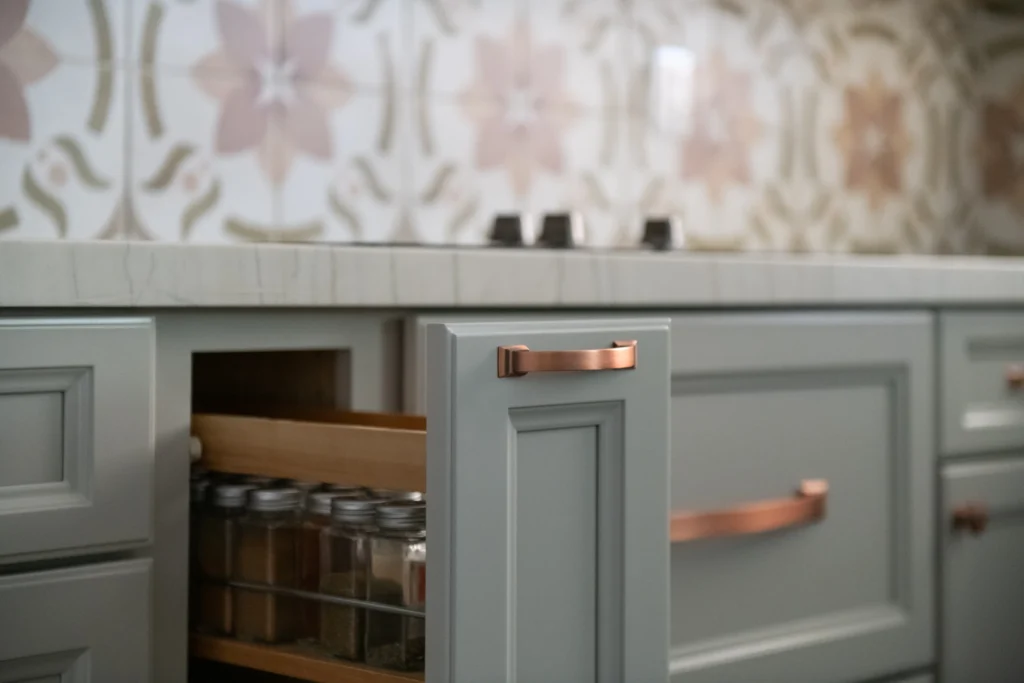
(1015, 376)
(516, 361)
(971, 517)
(808, 505)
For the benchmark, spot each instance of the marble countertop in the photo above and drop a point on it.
(125, 274)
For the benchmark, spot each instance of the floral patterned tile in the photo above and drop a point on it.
(208, 171)
(213, 35)
(587, 41)
(364, 43)
(61, 137)
(474, 160)
(346, 177)
(61, 169)
(454, 40)
(90, 31)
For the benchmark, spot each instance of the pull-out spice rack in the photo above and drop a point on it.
(365, 449)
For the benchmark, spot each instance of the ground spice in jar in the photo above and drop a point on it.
(316, 518)
(397, 571)
(217, 534)
(266, 554)
(346, 550)
(198, 489)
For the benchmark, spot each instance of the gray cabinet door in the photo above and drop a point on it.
(982, 395)
(547, 508)
(76, 435)
(83, 625)
(759, 404)
(983, 588)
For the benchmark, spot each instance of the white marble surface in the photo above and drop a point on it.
(124, 274)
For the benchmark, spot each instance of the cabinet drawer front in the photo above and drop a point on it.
(77, 625)
(759, 404)
(76, 437)
(982, 588)
(982, 397)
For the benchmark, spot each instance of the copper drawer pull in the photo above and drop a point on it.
(516, 361)
(1015, 376)
(753, 518)
(971, 517)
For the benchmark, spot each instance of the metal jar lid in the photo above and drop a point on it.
(198, 489)
(259, 481)
(346, 489)
(304, 486)
(394, 494)
(402, 514)
(231, 495)
(273, 500)
(354, 509)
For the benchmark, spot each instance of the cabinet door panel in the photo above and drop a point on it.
(760, 403)
(76, 435)
(82, 625)
(983, 593)
(548, 500)
(981, 409)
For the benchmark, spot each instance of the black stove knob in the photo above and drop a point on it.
(659, 233)
(507, 231)
(561, 231)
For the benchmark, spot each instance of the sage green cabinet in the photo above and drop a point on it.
(547, 506)
(982, 403)
(83, 625)
(983, 589)
(760, 403)
(76, 435)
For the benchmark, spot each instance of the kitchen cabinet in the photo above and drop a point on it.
(983, 556)
(842, 588)
(559, 480)
(983, 381)
(77, 625)
(76, 435)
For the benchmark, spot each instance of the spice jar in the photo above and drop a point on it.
(346, 489)
(217, 537)
(304, 487)
(394, 494)
(266, 554)
(346, 554)
(398, 563)
(259, 482)
(198, 489)
(315, 519)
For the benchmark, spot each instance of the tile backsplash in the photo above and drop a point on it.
(876, 126)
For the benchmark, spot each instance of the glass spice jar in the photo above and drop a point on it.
(266, 554)
(398, 563)
(315, 518)
(395, 494)
(215, 547)
(346, 554)
(346, 489)
(198, 488)
(304, 487)
(259, 482)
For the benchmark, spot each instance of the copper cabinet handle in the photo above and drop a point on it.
(516, 361)
(1015, 376)
(971, 517)
(808, 505)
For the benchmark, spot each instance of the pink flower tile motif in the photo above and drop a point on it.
(25, 57)
(444, 38)
(272, 103)
(369, 39)
(518, 104)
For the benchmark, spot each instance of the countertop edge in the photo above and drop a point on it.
(144, 275)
